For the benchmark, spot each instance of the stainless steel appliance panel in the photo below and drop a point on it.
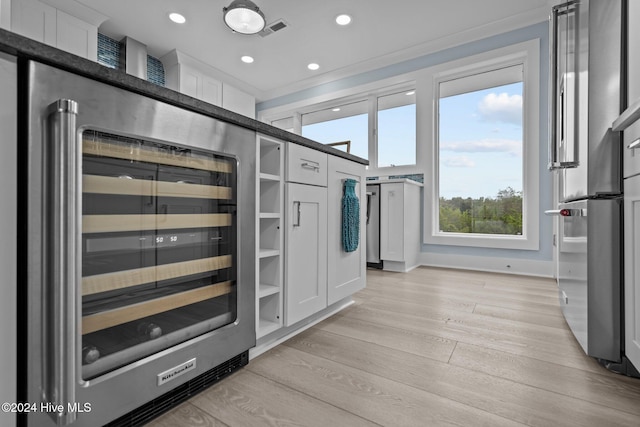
(55, 374)
(597, 102)
(589, 291)
(373, 224)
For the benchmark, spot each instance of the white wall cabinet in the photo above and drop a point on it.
(400, 225)
(46, 24)
(632, 268)
(346, 272)
(270, 240)
(192, 77)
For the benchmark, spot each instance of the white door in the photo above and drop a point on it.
(347, 270)
(306, 252)
(392, 222)
(632, 269)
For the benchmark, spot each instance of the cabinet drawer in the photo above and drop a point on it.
(306, 166)
(631, 155)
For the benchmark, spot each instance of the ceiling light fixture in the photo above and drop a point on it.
(343, 19)
(177, 18)
(244, 17)
(412, 92)
(313, 66)
(247, 59)
(336, 109)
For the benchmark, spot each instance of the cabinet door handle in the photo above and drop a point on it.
(296, 206)
(63, 263)
(311, 165)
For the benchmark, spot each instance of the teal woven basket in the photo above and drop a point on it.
(350, 216)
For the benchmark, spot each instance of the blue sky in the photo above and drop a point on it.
(481, 142)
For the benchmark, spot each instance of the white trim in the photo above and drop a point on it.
(511, 23)
(528, 54)
(526, 267)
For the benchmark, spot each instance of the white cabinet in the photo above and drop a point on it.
(306, 247)
(346, 271)
(235, 100)
(632, 268)
(400, 225)
(191, 77)
(270, 240)
(47, 24)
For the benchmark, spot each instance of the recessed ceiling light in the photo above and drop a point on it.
(343, 19)
(313, 66)
(247, 59)
(336, 109)
(413, 92)
(177, 18)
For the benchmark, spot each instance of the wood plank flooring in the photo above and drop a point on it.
(432, 347)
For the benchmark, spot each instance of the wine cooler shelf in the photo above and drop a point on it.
(159, 247)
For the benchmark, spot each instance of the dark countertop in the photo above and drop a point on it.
(23, 47)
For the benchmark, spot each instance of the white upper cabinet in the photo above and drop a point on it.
(193, 77)
(69, 26)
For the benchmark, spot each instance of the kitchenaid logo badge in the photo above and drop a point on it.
(173, 373)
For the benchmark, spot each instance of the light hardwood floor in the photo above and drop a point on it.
(432, 347)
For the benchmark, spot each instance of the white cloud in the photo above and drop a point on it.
(458, 162)
(511, 146)
(501, 108)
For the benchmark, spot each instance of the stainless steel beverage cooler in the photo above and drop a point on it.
(140, 249)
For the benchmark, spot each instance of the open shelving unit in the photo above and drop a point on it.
(269, 286)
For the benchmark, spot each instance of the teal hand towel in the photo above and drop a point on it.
(350, 216)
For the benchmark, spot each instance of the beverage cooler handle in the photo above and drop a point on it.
(64, 265)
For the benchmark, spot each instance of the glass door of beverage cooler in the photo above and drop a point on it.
(158, 247)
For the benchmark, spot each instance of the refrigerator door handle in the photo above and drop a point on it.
(566, 212)
(63, 265)
(558, 125)
(635, 144)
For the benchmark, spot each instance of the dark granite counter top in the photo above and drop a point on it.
(23, 47)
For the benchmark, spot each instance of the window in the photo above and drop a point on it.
(480, 141)
(485, 151)
(396, 129)
(347, 122)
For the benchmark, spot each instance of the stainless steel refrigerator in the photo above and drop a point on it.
(587, 86)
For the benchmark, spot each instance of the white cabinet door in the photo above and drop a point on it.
(76, 36)
(306, 247)
(392, 222)
(34, 20)
(632, 269)
(346, 270)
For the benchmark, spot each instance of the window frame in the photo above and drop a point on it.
(371, 96)
(527, 54)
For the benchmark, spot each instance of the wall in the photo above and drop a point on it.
(537, 262)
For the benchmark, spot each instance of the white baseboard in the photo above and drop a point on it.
(490, 264)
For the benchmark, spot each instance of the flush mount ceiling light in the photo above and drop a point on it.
(243, 17)
(177, 18)
(313, 66)
(247, 59)
(343, 19)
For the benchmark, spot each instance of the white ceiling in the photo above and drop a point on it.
(382, 32)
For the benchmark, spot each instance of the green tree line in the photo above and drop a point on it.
(499, 215)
